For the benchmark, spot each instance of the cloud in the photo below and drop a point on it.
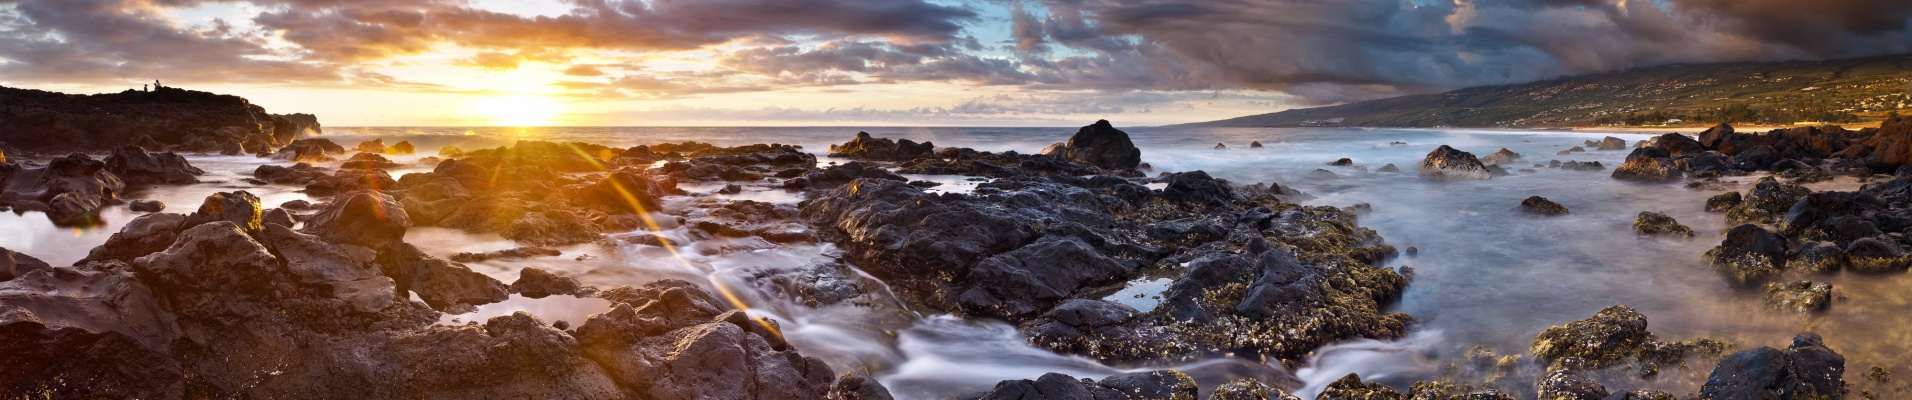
(1319, 52)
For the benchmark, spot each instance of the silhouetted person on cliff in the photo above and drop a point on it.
(156, 85)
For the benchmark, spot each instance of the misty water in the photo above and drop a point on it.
(1485, 275)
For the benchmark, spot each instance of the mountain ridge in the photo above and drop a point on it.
(1778, 92)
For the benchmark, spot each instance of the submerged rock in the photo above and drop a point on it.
(1612, 143)
(1447, 164)
(1388, 168)
(1342, 162)
(1649, 164)
(1723, 202)
(1657, 224)
(145, 205)
(1254, 145)
(1541, 206)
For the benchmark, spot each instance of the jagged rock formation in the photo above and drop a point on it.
(170, 118)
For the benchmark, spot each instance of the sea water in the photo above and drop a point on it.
(1485, 275)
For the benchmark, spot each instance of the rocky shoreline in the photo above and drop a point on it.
(243, 299)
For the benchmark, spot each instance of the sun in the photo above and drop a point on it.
(516, 110)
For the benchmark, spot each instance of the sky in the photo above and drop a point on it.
(885, 62)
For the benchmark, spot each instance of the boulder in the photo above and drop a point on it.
(1657, 224)
(1388, 168)
(1537, 205)
(537, 283)
(1750, 254)
(310, 150)
(370, 146)
(1612, 143)
(1805, 370)
(1649, 164)
(1871, 255)
(368, 161)
(145, 205)
(137, 166)
(855, 386)
(241, 208)
(1607, 337)
(444, 285)
(1219, 146)
(14, 264)
(1565, 381)
(1101, 145)
(1502, 157)
(1713, 137)
(1254, 145)
(1799, 297)
(1723, 202)
(865, 147)
(1447, 164)
(401, 148)
(1154, 385)
(1342, 162)
(365, 218)
(68, 209)
(74, 173)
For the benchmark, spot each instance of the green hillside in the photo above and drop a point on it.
(1774, 93)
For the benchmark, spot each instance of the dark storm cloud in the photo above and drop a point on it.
(1333, 51)
(129, 39)
(1322, 51)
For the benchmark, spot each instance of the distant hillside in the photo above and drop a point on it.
(1849, 90)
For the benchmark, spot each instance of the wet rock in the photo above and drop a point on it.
(1502, 157)
(443, 285)
(137, 166)
(838, 175)
(14, 264)
(241, 208)
(1767, 202)
(1806, 370)
(1612, 143)
(300, 173)
(74, 209)
(1101, 145)
(1351, 387)
(1196, 187)
(143, 235)
(1565, 381)
(310, 151)
(1657, 224)
(1649, 164)
(145, 205)
(537, 283)
(1246, 389)
(627, 191)
(1871, 255)
(367, 161)
(670, 347)
(351, 180)
(401, 148)
(1321, 174)
(1254, 145)
(1818, 257)
(1723, 202)
(370, 146)
(75, 173)
(1641, 394)
(1219, 146)
(864, 147)
(451, 152)
(280, 217)
(515, 252)
(1162, 385)
(345, 269)
(1537, 205)
(1341, 162)
(1388, 168)
(366, 218)
(1607, 337)
(1800, 296)
(1447, 164)
(296, 205)
(1749, 255)
(855, 386)
(1678, 145)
